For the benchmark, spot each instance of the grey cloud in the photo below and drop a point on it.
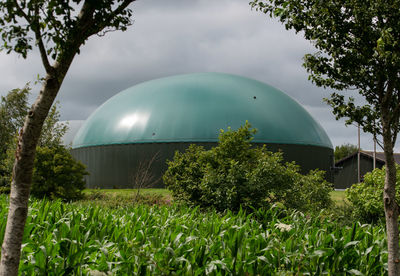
(73, 127)
(180, 36)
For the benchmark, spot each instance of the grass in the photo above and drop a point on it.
(339, 197)
(120, 198)
(164, 193)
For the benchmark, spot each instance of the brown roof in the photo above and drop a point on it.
(380, 156)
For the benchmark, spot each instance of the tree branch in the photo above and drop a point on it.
(380, 88)
(20, 10)
(42, 49)
(389, 93)
(55, 26)
(38, 36)
(397, 108)
(380, 144)
(113, 14)
(119, 9)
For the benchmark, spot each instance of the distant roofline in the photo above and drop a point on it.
(380, 156)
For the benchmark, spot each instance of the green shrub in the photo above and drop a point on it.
(235, 174)
(57, 175)
(367, 197)
(4, 189)
(6, 167)
(309, 192)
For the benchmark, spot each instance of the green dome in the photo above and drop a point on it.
(194, 107)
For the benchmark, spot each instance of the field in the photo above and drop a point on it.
(118, 192)
(84, 239)
(338, 197)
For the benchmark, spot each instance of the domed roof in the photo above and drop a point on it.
(194, 107)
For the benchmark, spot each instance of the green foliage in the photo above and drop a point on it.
(357, 43)
(52, 130)
(57, 29)
(13, 109)
(5, 190)
(52, 25)
(344, 151)
(75, 239)
(310, 192)
(57, 174)
(6, 165)
(99, 197)
(235, 175)
(366, 198)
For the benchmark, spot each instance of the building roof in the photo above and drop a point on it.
(380, 157)
(194, 107)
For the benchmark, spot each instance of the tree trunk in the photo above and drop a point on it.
(86, 25)
(22, 177)
(391, 207)
(23, 168)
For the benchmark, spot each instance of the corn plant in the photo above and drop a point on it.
(76, 239)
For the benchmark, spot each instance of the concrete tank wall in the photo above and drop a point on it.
(113, 166)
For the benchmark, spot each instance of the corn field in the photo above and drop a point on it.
(73, 239)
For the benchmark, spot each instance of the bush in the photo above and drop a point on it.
(367, 197)
(4, 189)
(6, 167)
(309, 192)
(234, 174)
(57, 175)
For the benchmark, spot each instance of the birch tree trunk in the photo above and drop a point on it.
(68, 36)
(390, 204)
(23, 168)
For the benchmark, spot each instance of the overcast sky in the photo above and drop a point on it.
(180, 36)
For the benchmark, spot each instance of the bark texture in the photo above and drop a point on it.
(92, 19)
(22, 176)
(391, 206)
(23, 167)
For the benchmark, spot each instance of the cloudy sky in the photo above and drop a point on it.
(180, 36)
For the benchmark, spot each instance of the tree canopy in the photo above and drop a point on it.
(358, 48)
(344, 150)
(13, 109)
(54, 25)
(57, 28)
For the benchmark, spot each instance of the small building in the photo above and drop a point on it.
(346, 173)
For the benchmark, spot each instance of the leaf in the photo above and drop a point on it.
(262, 258)
(369, 249)
(354, 272)
(352, 243)
(319, 253)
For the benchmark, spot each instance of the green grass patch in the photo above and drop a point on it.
(162, 192)
(339, 197)
(126, 197)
